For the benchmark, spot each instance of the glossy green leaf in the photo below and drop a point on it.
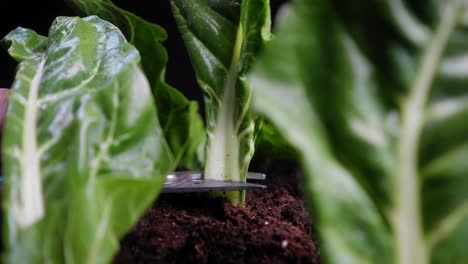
(83, 152)
(179, 117)
(373, 94)
(222, 38)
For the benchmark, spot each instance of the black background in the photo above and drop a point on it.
(39, 15)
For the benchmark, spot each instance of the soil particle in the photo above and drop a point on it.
(273, 227)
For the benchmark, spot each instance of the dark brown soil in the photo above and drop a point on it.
(273, 227)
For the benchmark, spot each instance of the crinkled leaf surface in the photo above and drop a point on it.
(83, 152)
(373, 94)
(222, 38)
(179, 117)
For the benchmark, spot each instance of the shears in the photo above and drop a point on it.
(192, 181)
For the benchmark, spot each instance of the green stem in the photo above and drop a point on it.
(407, 222)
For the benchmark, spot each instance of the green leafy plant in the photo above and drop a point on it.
(374, 98)
(83, 151)
(181, 123)
(222, 39)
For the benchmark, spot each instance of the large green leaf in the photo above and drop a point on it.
(222, 38)
(373, 94)
(179, 117)
(83, 152)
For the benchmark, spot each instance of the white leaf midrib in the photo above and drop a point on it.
(406, 218)
(31, 208)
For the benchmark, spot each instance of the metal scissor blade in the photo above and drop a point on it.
(256, 176)
(210, 186)
(199, 175)
(192, 181)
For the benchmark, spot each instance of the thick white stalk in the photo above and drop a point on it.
(31, 208)
(223, 152)
(222, 155)
(407, 222)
